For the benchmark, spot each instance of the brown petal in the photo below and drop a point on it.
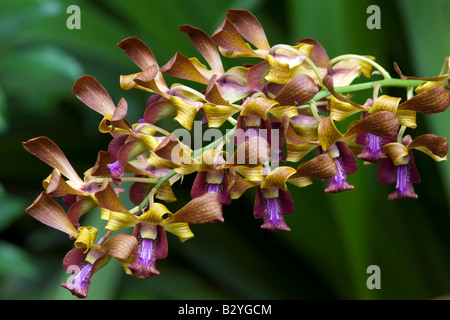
(238, 185)
(228, 37)
(318, 55)
(148, 79)
(434, 146)
(205, 46)
(57, 187)
(184, 68)
(94, 95)
(403, 77)
(249, 27)
(173, 150)
(107, 199)
(322, 167)
(329, 84)
(138, 52)
(382, 123)
(46, 150)
(121, 110)
(121, 246)
(253, 152)
(298, 91)
(159, 110)
(213, 94)
(433, 100)
(256, 75)
(206, 208)
(47, 211)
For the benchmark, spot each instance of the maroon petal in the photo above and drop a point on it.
(200, 186)
(349, 164)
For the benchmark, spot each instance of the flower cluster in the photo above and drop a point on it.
(284, 108)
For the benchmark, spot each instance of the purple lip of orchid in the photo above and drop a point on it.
(339, 182)
(211, 181)
(372, 146)
(252, 132)
(273, 212)
(345, 164)
(402, 180)
(144, 263)
(80, 282)
(271, 205)
(116, 170)
(214, 187)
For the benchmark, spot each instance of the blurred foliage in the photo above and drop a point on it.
(334, 238)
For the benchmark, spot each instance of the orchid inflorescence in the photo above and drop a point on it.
(283, 112)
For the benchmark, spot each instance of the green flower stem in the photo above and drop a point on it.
(315, 69)
(369, 85)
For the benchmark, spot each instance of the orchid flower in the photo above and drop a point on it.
(150, 226)
(399, 168)
(87, 256)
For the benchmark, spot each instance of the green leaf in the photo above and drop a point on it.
(3, 115)
(11, 207)
(16, 261)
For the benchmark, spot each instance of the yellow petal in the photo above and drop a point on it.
(296, 152)
(166, 193)
(279, 72)
(328, 133)
(340, 110)
(180, 229)
(185, 112)
(281, 111)
(155, 214)
(218, 114)
(258, 107)
(120, 220)
(278, 177)
(407, 118)
(385, 103)
(252, 174)
(396, 152)
(238, 185)
(86, 237)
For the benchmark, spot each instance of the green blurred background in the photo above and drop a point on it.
(334, 238)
